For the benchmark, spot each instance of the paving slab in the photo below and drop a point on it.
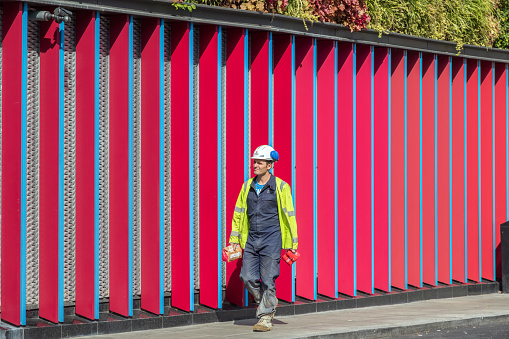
(368, 322)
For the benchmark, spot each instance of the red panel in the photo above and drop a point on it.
(443, 207)
(180, 233)
(259, 90)
(500, 157)
(85, 164)
(346, 280)
(48, 170)
(398, 250)
(150, 223)
(12, 67)
(283, 135)
(486, 195)
(119, 165)
(473, 228)
(381, 156)
(363, 168)
(413, 170)
(235, 149)
(208, 173)
(306, 281)
(428, 169)
(458, 170)
(326, 171)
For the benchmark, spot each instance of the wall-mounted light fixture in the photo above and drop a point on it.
(59, 15)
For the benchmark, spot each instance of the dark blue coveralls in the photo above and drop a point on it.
(262, 253)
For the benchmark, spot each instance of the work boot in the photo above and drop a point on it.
(264, 324)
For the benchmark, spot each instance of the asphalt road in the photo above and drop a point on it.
(483, 331)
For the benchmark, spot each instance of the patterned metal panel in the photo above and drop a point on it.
(69, 160)
(137, 157)
(223, 147)
(32, 237)
(167, 159)
(103, 156)
(196, 154)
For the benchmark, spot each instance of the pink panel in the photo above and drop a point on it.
(473, 228)
(500, 157)
(458, 170)
(443, 207)
(306, 280)
(85, 165)
(398, 239)
(235, 149)
(363, 169)
(150, 224)
(12, 94)
(283, 136)
(180, 233)
(486, 196)
(208, 175)
(49, 171)
(381, 156)
(428, 170)
(326, 171)
(119, 166)
(413, 190)
(346, 279)
(259, 89)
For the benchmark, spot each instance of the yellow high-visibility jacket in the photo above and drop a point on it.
(287, 220)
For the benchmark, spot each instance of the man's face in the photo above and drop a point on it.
(261, 167)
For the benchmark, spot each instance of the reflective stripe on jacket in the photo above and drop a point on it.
(287, 220)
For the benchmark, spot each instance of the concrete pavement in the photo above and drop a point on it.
(368, 322)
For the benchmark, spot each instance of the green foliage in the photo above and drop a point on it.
(503, 13)
(462, 21)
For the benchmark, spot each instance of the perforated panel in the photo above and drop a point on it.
(32, 239)
(137, 157)
(103, 156)
(196, 155)
(223, 153)
(69, 160)
(167, 160)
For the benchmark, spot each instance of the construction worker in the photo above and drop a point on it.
(263, 223)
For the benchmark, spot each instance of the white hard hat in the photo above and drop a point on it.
(265, 152)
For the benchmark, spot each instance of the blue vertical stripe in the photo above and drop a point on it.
(354, 62)
(246, 118)
(293, 150)
(389, 163)
(436, 170)
(191, 168)
(219, 168)
(131, 170)
(465, 164)
(61, 174)
(315, 222)
(96, 163)
(406, 169)
(420, 164)
(493, 166)
(23, 203)
(335, 169)
(271, 113)
(450, 170)
(479, 158)
(161, 166)
(372, 170)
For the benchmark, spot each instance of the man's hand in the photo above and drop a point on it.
(234, 245)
